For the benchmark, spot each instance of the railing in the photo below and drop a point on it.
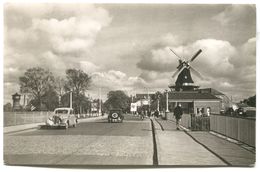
(238, 128)
(185, 120)
(241, 129)
(20, 118)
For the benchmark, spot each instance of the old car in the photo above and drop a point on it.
(115, 115)
(62, 117)
(246, 111)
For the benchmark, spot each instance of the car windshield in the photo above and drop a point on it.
(61, 111)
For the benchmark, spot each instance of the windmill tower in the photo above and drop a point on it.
(184, 80)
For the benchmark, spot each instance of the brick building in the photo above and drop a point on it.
(195, 102)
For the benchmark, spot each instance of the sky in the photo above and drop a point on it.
(126, 46)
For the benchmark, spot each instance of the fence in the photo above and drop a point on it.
(238, 128)
(19, 118)
(241, 129)
(186, 121)
(200, 123)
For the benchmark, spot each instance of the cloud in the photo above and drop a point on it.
(61, 36)
(214, 53)
(68, 34)
(225, 67)
(88, 67)
(246, 54)
(157, 60)
(75, 32)
(53, 36)
(116, 80)
(235, 14)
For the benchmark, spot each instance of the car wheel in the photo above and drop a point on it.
(75, 124)
(67, 125)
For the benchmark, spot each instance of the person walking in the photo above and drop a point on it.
(178, 114)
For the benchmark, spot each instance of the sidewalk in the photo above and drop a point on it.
(179, 148)
(16, 128)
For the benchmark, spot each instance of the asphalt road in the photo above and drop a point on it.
(90, 143)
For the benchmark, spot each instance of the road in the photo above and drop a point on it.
(91, 143)
(133, 142)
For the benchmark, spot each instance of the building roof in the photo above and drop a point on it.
(191, 96)
(211, 91)
(16, 94)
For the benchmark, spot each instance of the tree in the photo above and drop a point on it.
(8, 107)
(60, 88)
(251, 101)
(158, 96)
(50, 99)
(117, 99)
(78, 82)
(36, 81)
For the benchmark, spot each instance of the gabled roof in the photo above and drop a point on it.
(191, 96)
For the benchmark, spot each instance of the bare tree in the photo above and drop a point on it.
(77, 82)
(36, 81)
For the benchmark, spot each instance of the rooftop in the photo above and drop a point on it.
(191, 95)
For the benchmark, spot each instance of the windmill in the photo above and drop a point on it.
(184, 80)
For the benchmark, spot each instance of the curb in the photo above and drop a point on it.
(182, 127)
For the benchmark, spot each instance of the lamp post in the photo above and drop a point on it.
(167, 109)
(99, 111)
(148, 98)
(71, 98)
(158, 103)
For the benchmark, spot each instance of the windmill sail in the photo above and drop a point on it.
(184, 80)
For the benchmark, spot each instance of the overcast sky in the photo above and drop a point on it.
(127, 46)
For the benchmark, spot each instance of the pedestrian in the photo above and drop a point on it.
(178, 114)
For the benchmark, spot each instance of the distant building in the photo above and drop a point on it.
(141, 100)
(16, 102)
(225, 102)
(194, 102)
(199, 101)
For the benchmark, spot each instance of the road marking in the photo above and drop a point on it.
(155, 153)
(20, 131)
(206, 147)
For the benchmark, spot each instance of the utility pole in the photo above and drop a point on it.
(158, 103)
(148, 98)
(167, 110)
(99, 101)
(71, 98)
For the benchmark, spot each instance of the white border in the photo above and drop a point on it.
(19, 168)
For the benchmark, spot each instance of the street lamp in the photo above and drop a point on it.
(158, 103)
(148, 98)
(167, 109)
(99, 111)
(71, 98)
